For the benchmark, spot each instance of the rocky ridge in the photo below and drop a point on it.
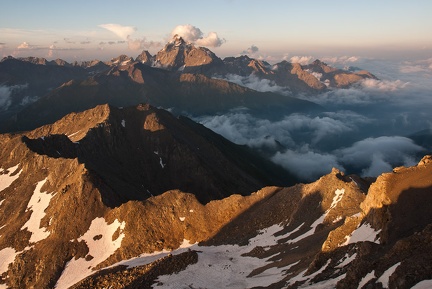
(64, 194)
(177, 77)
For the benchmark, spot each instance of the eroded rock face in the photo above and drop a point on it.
(327, 232)
(92, 172)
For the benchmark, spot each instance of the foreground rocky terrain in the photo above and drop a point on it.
(136, 198)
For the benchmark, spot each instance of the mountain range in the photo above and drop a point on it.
(106, 181)
(184, 78)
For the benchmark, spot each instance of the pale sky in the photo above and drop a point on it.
(271, 30)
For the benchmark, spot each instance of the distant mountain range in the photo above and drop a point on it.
(180, 77)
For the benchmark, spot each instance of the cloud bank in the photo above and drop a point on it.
(378, 155)
(193, 34)
(121, 31)
(254, 82)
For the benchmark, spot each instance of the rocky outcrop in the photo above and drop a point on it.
(145, 58)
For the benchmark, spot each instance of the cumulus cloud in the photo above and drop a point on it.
(25, 45)
(251, 50)
(121, 31)
(341, 59)
(305, 163)
(237, 127)
(383, 85)
(139, 44)
(290, 131)
(378, 155)
(254, 82)
(193, 34)
(303, 60)
(424, 65)
(365, 92)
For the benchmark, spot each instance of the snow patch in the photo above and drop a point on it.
(366, 279)
(326, 284)
(7, 256)
(101, 246)
(147, 258)
(226, 266)
(384, 279)
(38, 204)
(160, 159)
(337, 198)
(7, 179)
(161, 163)
(425, 284)
(1, 202)
(182, 219)
(363, 233)
(312, 230)
(301, 276)
(72, 134)
(191, 211)
(348, 259)
(123, 123)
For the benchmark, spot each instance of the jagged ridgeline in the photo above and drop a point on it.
(87, 202)
(187, 79)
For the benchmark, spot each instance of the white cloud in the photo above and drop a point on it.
(5, 99)
(424, 65)
(251, 50)
(378, 155)
(341, 59)
(305, 163)
(303, 60)
(139, 44)
(383, 85)
(24, 45)
(254, 82)
(193, 34)
(121, 31)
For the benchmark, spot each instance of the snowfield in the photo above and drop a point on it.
(363, 233)
(101, 246)
(6, 179)
(37, 204)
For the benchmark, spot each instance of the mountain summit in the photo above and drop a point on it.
(178, 55)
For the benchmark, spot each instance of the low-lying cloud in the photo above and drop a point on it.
(5, 99)
(365, 129)
(305, 163)
(6, 95)
(254, 82)
(193, 34)
(378, 155)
